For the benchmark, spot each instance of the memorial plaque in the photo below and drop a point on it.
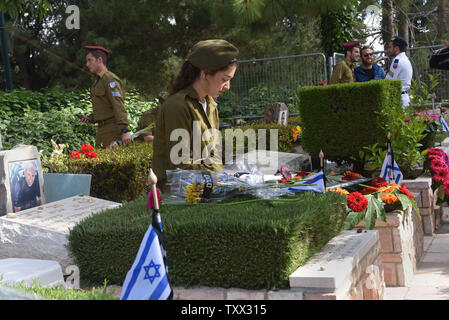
(41, 232)
(21, 179)
(331, 267)
(276, 113)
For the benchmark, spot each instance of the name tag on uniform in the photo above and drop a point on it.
(116, 94)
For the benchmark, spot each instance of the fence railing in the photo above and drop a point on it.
(258, 82)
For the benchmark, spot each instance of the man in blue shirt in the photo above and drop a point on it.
(368, 70)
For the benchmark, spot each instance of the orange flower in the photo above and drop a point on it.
(389, 198)
(389, 188)
(340, 191)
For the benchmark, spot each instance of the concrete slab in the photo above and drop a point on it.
(395, 293)
(46, 272)
(427, 293)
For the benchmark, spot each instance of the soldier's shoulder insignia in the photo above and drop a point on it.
(391, 73)
(112, 84)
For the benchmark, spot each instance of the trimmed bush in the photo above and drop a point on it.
(254, 245)
(285, 136)
(119, 174)
(341, 119)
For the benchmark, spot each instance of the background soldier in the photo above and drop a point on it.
(107, 100)
(344, 70)
(149, 117)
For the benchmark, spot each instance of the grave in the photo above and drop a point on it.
(349, 266)
(276, 113)
(21, 179)
(41, 232)
(45, 272)
(269, 162)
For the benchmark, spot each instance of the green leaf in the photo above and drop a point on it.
(371, 214)
(353, 219)
(380, 210)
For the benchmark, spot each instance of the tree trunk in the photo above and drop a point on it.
(442, 18)
(387, 21)
(403, 22)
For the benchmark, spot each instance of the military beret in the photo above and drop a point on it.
(212, 54)
(399, 41)
(91, 48)
(351, 44)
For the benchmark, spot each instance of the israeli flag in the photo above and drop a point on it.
(391, 172)
(147, 278)
(444, 124)
(318, 184)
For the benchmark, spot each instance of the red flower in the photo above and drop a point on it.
(379, 182)
(406, 191)
(440, 175)
(150, 203)
(322, 83)
(349, 176)
(91, 154)
(357, 202)
(75, 154)
(86, 148)
(368, 190)
(437, 165)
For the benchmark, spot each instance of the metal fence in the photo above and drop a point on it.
(259, 82)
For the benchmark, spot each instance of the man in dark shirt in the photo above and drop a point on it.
(368, 70)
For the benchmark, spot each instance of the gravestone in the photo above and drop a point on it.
(349, 265)
(276, 113)
(269, 162)
(21, 179)
(41, 232)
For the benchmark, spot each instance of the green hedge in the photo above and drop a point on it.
(248, 245)
(341, 119)
(119, 174)
(285, 136)
(36, 117)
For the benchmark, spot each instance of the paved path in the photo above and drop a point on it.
(431, 280)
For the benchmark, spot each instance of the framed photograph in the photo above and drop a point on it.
(21, 179)
(25, 186)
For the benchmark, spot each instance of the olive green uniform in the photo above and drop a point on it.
(108, 108)
(146, 119)
(179, 112)
(343, 72)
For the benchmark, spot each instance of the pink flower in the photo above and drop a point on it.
(437, 165)
(150, 203)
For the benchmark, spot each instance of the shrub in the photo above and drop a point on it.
(37, 117)
(249, 245)
(119, 174)
(341, 119)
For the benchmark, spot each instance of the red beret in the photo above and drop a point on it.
(96, 48)
(351, 44)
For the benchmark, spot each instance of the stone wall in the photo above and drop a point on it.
(348, 267)
(402, 245)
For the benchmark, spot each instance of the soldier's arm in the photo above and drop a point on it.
(115, 96)
(336, 74)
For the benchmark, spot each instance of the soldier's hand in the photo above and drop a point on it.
(84, 118)
(126, 138)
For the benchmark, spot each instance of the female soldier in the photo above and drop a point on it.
(188, 122)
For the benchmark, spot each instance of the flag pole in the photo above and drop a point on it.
(390, 149)
(322, 166)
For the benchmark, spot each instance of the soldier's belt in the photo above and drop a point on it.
(106, 121)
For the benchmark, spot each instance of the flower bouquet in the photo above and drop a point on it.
(439, 167)
(374, 201)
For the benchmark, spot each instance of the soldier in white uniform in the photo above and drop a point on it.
(401, 68)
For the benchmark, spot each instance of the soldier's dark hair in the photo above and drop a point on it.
(100, 54)
(189, 73)
(400, 42)
(364, 48)
(350, 49)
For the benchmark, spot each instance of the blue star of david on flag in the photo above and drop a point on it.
(156, 273)
(390, 170)
(147, 279)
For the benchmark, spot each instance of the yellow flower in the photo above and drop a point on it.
(388, 188)
(340, 191)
